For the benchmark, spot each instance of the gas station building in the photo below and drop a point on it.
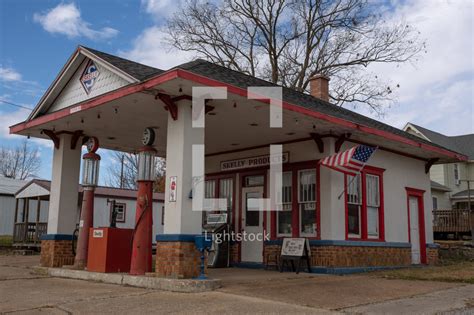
(382, 218)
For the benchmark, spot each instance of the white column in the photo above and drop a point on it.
(333, 219)
(63, 201)
(179, 217)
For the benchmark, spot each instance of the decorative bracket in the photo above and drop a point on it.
(170, 105)
(53, 137)
(75, 138)
(319, 141)
(340, 141)
(429, 164)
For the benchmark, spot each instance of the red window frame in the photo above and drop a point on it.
(294, 168)
(368, 170)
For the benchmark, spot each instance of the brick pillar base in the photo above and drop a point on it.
(177, 259)
(56, 253)
(432, 256)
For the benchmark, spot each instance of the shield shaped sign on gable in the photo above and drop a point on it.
(89, 76)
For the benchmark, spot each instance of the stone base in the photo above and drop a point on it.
(177, 259)
(56, 253)
(432, 256)
(352, 256)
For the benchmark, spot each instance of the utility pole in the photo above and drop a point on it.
(121, 170)
(471, 212)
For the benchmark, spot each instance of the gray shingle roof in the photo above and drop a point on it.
(222, 74)
(464, 194)
(9, 186)
(242, 80)
(438, 186)
(463, 144)
(135, 69)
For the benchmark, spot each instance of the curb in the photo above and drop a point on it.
(148, 282)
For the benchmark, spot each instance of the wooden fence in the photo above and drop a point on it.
(28, 233)
(452, 221)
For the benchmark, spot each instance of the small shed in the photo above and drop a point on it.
(31, 221)
(8, 188)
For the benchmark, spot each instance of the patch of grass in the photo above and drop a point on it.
(6, 240)
(450, 271)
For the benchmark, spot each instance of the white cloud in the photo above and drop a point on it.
(150, 48)
(438, 91)
(9, 74)
(66, 19)
(10, 118)
(160, 9)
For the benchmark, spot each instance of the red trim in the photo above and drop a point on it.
(418, 193)
(97, 101)
(242, 92)
(371, 170)
(172, 74)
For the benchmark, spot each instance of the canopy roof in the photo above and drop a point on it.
(129, 96)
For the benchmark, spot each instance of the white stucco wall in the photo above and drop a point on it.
(74, 93)
(102, 214)
(400, 172)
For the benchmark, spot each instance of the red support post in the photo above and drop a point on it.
(142, 236)
(85, 223)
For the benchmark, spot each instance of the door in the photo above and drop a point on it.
(252, 225)
(414, 230)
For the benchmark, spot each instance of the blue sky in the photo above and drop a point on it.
(37, 37)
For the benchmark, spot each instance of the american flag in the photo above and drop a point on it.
(351, 161)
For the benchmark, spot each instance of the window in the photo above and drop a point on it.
(219, 188)
(307, 202)
(120, 209)
(252, 215)
(354, 206)
(435, 203)
(364, 205)
(284, 213)
(373, 205)
(252, 181)
(456, 174)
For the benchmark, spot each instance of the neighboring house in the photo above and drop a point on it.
(39, 190)
(8, 187)
(449, 186)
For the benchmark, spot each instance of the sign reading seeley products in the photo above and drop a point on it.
(255, 161)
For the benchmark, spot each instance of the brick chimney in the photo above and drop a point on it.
(319, 87)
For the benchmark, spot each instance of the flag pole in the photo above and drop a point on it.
(354, 177)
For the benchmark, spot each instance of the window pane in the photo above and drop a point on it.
(373, 193)
(354, 190)
(210, 189)
(284, 222)
(372, 221)
(308, 218)
(435, 203)
(226, 191)
(307, 186)
(254, 181)
(353, 216)
(252, 215)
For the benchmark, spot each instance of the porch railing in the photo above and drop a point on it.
(29, 233)
(451, 221)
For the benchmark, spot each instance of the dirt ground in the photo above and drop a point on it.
(244, 291)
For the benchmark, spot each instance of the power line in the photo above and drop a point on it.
(17, 105)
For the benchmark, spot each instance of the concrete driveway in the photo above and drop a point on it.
(244, 291)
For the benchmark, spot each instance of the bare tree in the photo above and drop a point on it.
(289, 41)
(20, 162)
(123, 171)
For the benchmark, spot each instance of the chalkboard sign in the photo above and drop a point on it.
(293, 251)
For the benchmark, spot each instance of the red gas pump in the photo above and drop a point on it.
(90, 177)
(142, 235)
